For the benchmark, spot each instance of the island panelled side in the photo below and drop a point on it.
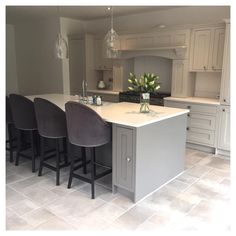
(144, 158)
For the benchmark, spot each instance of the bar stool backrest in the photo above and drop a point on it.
(22, 112)
(51, 119)
(85, 127)
(9, 119)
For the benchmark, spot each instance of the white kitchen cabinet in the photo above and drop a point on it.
(201, 126)
(207, 45)
(225, 77)
(182, 81)
(223, 141)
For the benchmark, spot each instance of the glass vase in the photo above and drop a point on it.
(144, 102)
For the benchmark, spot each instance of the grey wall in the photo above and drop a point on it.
(11, 71)
(39, 71)
(156, 65)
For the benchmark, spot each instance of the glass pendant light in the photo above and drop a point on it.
(61, 46)
(111, 40)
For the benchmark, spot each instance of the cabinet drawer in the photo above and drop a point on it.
(201, 136)
(124, 158)
(202, 121)
(206, 109)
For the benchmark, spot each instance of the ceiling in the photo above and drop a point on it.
(18, 13)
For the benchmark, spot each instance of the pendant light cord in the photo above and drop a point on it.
(111, 17)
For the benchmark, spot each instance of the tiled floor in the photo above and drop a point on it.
(196, 200)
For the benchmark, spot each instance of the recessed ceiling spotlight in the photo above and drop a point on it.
(108, 8)
(162, 26)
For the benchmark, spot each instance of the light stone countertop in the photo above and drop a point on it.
(199, 100)
(103, 91)
(123, 113)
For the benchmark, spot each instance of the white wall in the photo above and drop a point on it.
(156, 65)
(11, 71)
(207, 84)
(39, 71)
(69, 27)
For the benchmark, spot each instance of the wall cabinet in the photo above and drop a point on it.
(225, 77)
(182, 81)
(223, 141)
(207, 46)
(201, 125)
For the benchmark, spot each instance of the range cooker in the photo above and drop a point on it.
(156, 98)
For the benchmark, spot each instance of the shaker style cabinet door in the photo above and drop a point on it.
(201, 49)
(124, 158)
(217, 50)
(224, 128)
(225, 77)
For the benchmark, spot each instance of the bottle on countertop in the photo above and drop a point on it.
(99, 101)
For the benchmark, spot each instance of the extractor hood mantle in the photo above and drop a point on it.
(170, 52)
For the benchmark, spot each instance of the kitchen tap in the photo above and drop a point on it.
(84, 89)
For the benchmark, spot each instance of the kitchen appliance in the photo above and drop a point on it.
(156, 98)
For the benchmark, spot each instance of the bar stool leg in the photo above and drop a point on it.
(84, 160)
(57, 162)
(33, 150)
(10, 141)
(71, 164)
(41, 156)
(18, 147)
(92, 171)
(65, 151)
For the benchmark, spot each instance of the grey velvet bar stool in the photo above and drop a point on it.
(51, 121)
(24, 119)
(10, 143)
(86, 129)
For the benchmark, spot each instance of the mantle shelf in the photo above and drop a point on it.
(176, 51)
(156, 48)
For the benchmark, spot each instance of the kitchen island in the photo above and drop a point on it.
(148, 149)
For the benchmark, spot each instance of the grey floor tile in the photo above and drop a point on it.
(134, 217)
(24, 206)
(12, 197)
(38, 216)
(13, 178)
(14, 222)
(54, 223)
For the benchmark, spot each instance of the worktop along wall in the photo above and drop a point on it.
(38, 70)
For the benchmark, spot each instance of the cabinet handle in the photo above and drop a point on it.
(204, 67)
(223, 110)
(128, 159)
(188, 107)
(188, 115)
(224, 100)
(187, 128)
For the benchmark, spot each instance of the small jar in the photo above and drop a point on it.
(99, 101)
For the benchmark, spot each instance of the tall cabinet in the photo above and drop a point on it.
(223, 142)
